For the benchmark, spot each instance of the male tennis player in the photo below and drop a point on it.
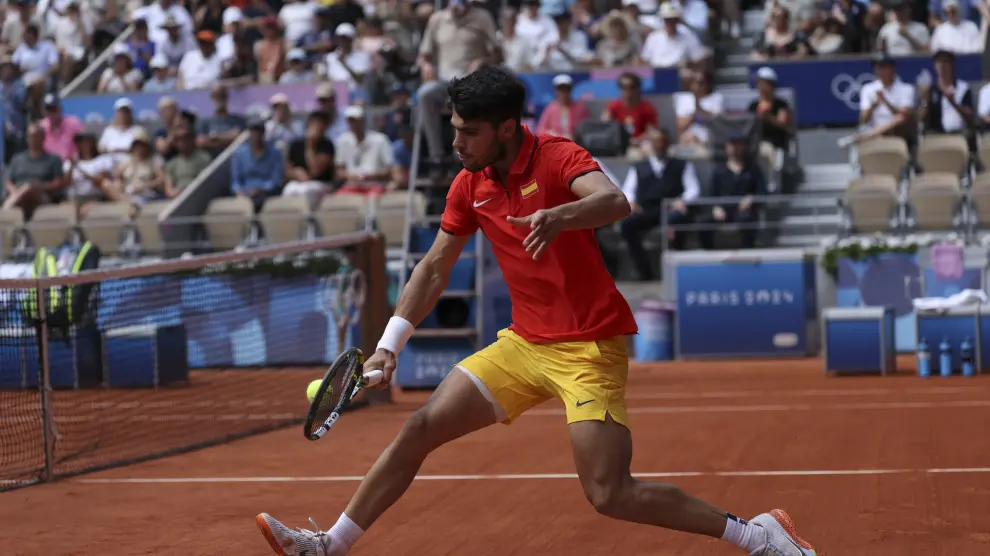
(538, 200)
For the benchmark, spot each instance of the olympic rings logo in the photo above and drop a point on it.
(846, 88)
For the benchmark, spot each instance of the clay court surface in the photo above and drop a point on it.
(878, 466)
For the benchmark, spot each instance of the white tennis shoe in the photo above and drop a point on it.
(289, 542)
(782, 537)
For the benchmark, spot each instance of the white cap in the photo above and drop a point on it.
(232, 14)
(279, 98)
(950, 3)
(122, 103)
(562, 79)
(158, 61)
(120, 49)
(354, 112)
(296, 54)
(767, 74)
(669, 10)
(345, 30)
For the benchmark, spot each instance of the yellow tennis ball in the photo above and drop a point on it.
(313, 388)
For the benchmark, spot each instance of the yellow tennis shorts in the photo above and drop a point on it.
(589, 377)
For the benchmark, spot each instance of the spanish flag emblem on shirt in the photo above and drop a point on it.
(529, 190)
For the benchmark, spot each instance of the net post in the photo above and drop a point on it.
(374, 312)
(44, 382)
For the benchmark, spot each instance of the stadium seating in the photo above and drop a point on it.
(935, 198)
(105, 225)
(342, 213)
(284, 219)
(11, 225)
(884, 156)
(391, 214)
(146, 223)
(871, 202)
(227, 222)
(51, 225)
(944, 153)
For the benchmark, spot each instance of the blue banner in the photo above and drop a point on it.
(756, 308)
(827, 90)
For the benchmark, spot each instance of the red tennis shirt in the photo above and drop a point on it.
(567, 295)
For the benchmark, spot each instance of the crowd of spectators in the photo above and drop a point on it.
(384, 50)
(802, 28)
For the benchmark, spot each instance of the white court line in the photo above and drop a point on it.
(660, 410)
(538, 476)
(804, 393)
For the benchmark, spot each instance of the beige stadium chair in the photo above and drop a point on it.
(51, 224)
(104, 225)
(871, 202)
(883, 156)
(985, 152)
(342, 213)
(11, 224)
(228, 222)
(149, 232)
(390, 214)
(980, 195)
(943, 153)
(284, 219)
(935, 197)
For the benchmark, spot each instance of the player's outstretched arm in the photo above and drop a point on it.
(417, 299)
(599, 203)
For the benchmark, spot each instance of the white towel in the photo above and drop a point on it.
(962, 299)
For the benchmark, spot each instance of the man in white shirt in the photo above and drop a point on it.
(983, 106)
(566, 51)
(903, 36)
(175, 44)
(946, 104)
(232, 18)
(297, 18)
(518, 53)
(344, 63)
(363, 157)
(956, 34)
(885, 104)
(655, 186)
(674, 45)
(158, 13)
(200, 68)
(533, 25)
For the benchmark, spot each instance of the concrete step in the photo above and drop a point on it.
(730, 75)
(753, 22)
(739, 59)
(801, 240)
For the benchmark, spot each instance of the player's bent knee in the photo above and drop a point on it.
(608, 497)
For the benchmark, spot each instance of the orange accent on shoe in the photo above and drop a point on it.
(267, 532)
(785, 521)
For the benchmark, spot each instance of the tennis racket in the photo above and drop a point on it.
(341, 383)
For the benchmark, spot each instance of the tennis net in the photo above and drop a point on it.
(143, 361)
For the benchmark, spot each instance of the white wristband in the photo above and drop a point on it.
(397, 333)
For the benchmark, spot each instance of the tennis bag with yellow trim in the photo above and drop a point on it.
(65, 306)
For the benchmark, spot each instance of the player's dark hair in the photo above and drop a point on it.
(490, 94)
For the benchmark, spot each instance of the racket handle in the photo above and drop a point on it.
(373, 377)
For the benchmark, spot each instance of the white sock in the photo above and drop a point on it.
(344, 534)
(744, 534)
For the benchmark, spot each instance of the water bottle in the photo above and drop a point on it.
(924, 359)
(945, 358)
(966, 355)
